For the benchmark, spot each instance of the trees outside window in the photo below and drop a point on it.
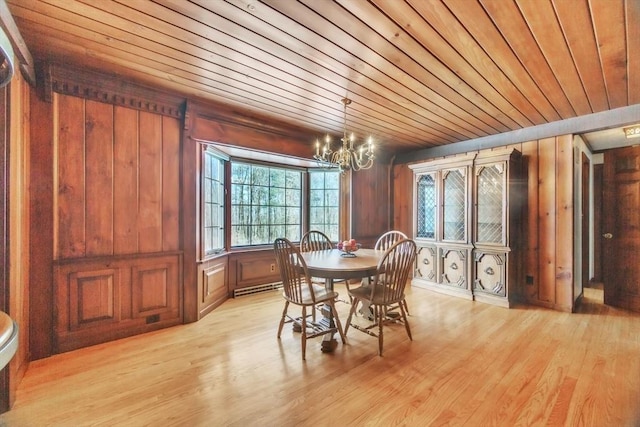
(324, 202)
(266, 203)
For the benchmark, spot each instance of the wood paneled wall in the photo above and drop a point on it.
(548, 219)
(117, 193)
(371, 208)
(117, 172)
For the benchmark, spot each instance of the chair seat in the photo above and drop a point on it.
(364, 292)
(321, 295)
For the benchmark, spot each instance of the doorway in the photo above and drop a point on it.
(620, 235)
(592, 287)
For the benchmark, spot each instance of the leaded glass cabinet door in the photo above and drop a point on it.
(454, 207)
(426, 206)
(490, 204)
(499, 191)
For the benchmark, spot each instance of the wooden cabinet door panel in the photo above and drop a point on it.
(454, 267)
(490, 273)
(426, 264)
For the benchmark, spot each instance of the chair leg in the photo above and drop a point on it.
(284, 316)
(406, 322)
(304, 332)
(380, 327)
(336, 320)
(354, 305)
(406, 307)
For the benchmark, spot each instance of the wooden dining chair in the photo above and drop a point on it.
(383, 243)
(299, 290)
(387, 290)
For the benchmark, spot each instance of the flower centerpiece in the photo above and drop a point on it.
(348, 247)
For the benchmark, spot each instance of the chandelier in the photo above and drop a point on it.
(347, 157)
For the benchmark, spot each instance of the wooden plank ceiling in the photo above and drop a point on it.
(420, 73)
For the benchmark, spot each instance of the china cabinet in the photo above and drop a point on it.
(467, 225)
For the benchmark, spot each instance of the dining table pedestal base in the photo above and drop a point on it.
(332, 265)
(328, 346)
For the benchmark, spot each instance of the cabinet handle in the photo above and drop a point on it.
(489, 271)
(426, 261)
(454, 266)
(607, 235)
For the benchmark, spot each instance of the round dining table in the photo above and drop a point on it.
(332, 265)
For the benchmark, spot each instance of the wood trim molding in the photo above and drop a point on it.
(110, 89)
(576, 125)
(224, 114)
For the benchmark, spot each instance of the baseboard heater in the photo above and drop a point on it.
(256, 289)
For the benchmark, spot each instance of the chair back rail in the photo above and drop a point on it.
(393, 272)
(293, 271)
(315, 240)
(387, 240)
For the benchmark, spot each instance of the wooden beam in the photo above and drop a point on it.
(20, 47)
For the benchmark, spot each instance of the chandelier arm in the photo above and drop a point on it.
(347, 156)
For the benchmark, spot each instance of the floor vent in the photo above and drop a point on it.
(255, 289)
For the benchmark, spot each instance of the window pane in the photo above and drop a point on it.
(277, 177)
(240, 194)
(316, 216)
(316, 197)
(332, 197)
(293, 197)
(212, 195)
(260, 175)
(240, 173)
(316, 181)
(294, 179)
(278, 215)
(266, 206)
(240, 235)
(259, 195)
(332, 180)
(293, 233)
(278, 231)
(277, 196)
(324, 201)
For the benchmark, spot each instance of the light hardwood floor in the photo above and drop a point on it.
(470, 364)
